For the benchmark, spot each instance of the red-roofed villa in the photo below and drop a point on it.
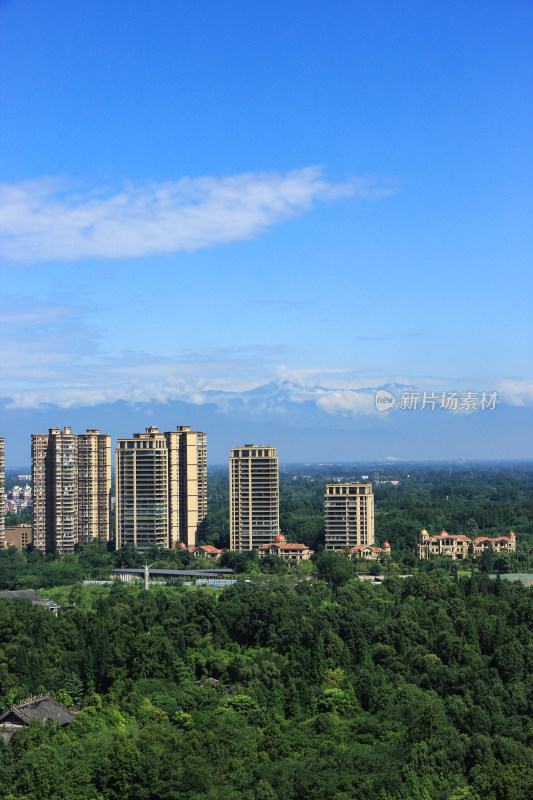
(501, 544)
(287, 550)
(206, 550)
(460, 546)
(370, 551)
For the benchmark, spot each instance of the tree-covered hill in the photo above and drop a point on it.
(418, 689)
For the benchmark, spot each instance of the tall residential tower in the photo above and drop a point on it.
(254, 496)
(71, 476)
(161, 495)
(349, 515)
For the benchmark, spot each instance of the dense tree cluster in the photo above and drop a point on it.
(417, 689)
(30, 569)
(476, 500)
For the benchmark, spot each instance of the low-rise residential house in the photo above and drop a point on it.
(43, 708)
(501, 544)
(370, 551)
(458, 546)
(206, 550)
(287, 550)
(444, 544)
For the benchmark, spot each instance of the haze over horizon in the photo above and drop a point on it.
(251, 218)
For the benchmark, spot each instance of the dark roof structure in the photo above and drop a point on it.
(29, 594)
(42, 708)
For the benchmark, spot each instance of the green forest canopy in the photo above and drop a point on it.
(420, 688)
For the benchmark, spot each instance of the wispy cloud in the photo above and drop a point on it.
(51, 354)
(37, 337)
(330, 377)
(44, 219)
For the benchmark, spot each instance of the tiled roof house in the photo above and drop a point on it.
(370, 551)
(290, 551)
(42, 708)
(460, 546)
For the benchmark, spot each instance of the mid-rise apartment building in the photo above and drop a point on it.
(254, 496)
(349, 515)
(2, 494)
(71, 477)
(18, 536)
(161, 488)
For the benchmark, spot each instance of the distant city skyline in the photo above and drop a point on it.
(201, 201)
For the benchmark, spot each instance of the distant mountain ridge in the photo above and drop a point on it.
(306, 423)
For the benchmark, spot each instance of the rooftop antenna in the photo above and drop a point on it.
(146, 575)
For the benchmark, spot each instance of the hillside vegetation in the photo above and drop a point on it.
(418, 689)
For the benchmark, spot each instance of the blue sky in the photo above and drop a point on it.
(215, 195)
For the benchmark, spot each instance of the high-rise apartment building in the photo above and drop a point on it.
(349, 515)
(71, 476)
(161, 494)
(254, 496)
(94, 486)
(2, 495)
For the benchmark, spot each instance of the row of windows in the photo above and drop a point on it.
(142, 444)
(361, 504)
(257, 453)
(366, 490)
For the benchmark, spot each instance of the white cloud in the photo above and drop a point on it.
(42, 220)
(515, 391)
(347, 400)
